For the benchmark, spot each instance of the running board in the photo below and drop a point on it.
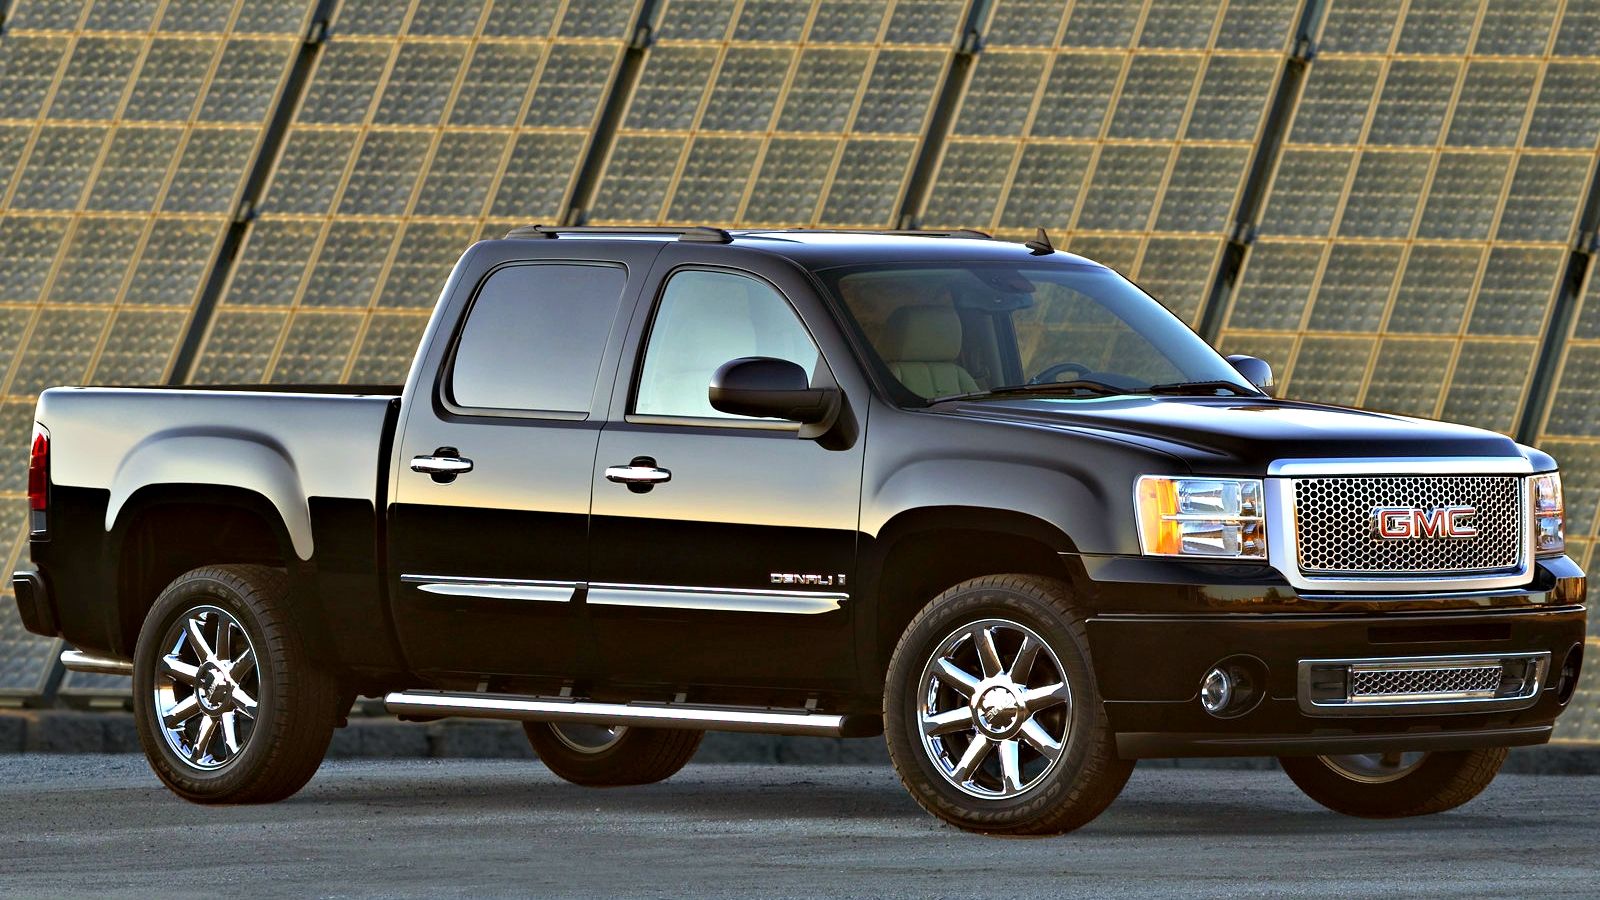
(433, 704)
(78, 661)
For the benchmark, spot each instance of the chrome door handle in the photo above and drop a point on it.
(634, 474)
(444, 465)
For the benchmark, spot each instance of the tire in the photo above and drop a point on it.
(612, 757)
(256, 758)
(999, 703)
(1395, 786)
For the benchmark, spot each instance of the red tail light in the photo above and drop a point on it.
(39, 473)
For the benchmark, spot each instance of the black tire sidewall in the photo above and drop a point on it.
(188, 592)
(962, 606)
(1437, 784)
(640, 755)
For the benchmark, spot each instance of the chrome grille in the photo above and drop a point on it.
(1455, 682)
(1335, 524)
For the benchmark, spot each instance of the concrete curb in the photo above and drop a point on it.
(379, 737)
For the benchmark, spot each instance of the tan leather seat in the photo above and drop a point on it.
(921, 346)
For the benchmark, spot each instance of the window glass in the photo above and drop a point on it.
(706, 319)
(968, 329)
(534, 337)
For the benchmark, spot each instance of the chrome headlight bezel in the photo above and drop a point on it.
(1547, 517)
(1201, 517)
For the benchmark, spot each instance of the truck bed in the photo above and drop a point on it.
(288, 444)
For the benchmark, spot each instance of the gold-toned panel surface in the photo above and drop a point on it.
(1125, 127)
(127, 131)
(1419, 222)
(779, 112)
(423, 126)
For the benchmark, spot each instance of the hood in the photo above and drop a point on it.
(1241, 435)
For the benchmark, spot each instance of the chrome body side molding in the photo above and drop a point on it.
(494, 588)
(78, 661)
(585, 712)
(803, 603)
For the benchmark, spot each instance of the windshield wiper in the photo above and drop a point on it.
(1084, 386)
(1199, 388)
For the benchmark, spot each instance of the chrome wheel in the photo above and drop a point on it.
(588, 738)
(1375, 768)
(994, 709)
(206, 688)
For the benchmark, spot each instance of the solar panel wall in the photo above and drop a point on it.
(1391, 200)
(1124, 126)
(423, 125)
(767, 112)
(127, 131)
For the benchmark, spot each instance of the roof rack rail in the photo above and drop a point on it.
(903, 232)
(698, 233)
(942, 232)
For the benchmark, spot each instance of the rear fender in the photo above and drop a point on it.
(247, 461)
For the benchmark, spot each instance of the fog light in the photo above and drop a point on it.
(1216, 691)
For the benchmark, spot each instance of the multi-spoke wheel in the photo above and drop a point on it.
(206, 687)
(996, 708)
(609, 755)
(231, 707)
(1395, 784)
(991, 712)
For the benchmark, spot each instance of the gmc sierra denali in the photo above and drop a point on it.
(988, 499)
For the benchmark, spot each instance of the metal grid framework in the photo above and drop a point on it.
(777, 112)
(127, 130)
(423, 125)
(1570, 430)
(1126, 124)
(274, 190)
(1419, 222)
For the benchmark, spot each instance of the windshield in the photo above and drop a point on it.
(1067, 329)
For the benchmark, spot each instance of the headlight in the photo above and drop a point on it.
(1549, 514)
(1215, 517)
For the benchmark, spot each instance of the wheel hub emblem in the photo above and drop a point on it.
(213, 689)
(999, 710)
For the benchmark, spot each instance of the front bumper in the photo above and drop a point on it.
(1149, 663)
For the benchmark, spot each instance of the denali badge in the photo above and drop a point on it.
(810, 580)
(1400, 522)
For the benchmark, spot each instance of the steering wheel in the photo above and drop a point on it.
(1054, 373)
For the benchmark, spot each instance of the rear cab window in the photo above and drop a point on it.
(534, 338)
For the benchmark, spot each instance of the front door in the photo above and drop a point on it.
(735, 565)
(489, 524)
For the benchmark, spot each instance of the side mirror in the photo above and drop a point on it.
(770, 388)
(1256, 371)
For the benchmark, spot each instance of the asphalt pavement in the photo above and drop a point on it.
(103, 826)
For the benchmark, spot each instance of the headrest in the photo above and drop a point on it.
(923, 334)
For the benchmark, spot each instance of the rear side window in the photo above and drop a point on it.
(534, 337)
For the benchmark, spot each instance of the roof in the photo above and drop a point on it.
(817, 248)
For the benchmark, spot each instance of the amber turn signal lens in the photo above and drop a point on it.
(1208, 517)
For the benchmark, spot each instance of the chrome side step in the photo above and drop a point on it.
(649, 715)
(78, 661)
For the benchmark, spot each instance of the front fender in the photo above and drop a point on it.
(244, 460)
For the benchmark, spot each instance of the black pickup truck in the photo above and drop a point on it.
(988, 499)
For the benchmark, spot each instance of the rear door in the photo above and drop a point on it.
(738, 568)
(489, 521)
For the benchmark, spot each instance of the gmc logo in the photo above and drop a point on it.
(1401, 523)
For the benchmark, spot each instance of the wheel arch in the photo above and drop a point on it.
(920, 553)
(164, 530)
(254, 463)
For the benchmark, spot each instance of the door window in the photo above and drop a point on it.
(534, 338)
(705, 319)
